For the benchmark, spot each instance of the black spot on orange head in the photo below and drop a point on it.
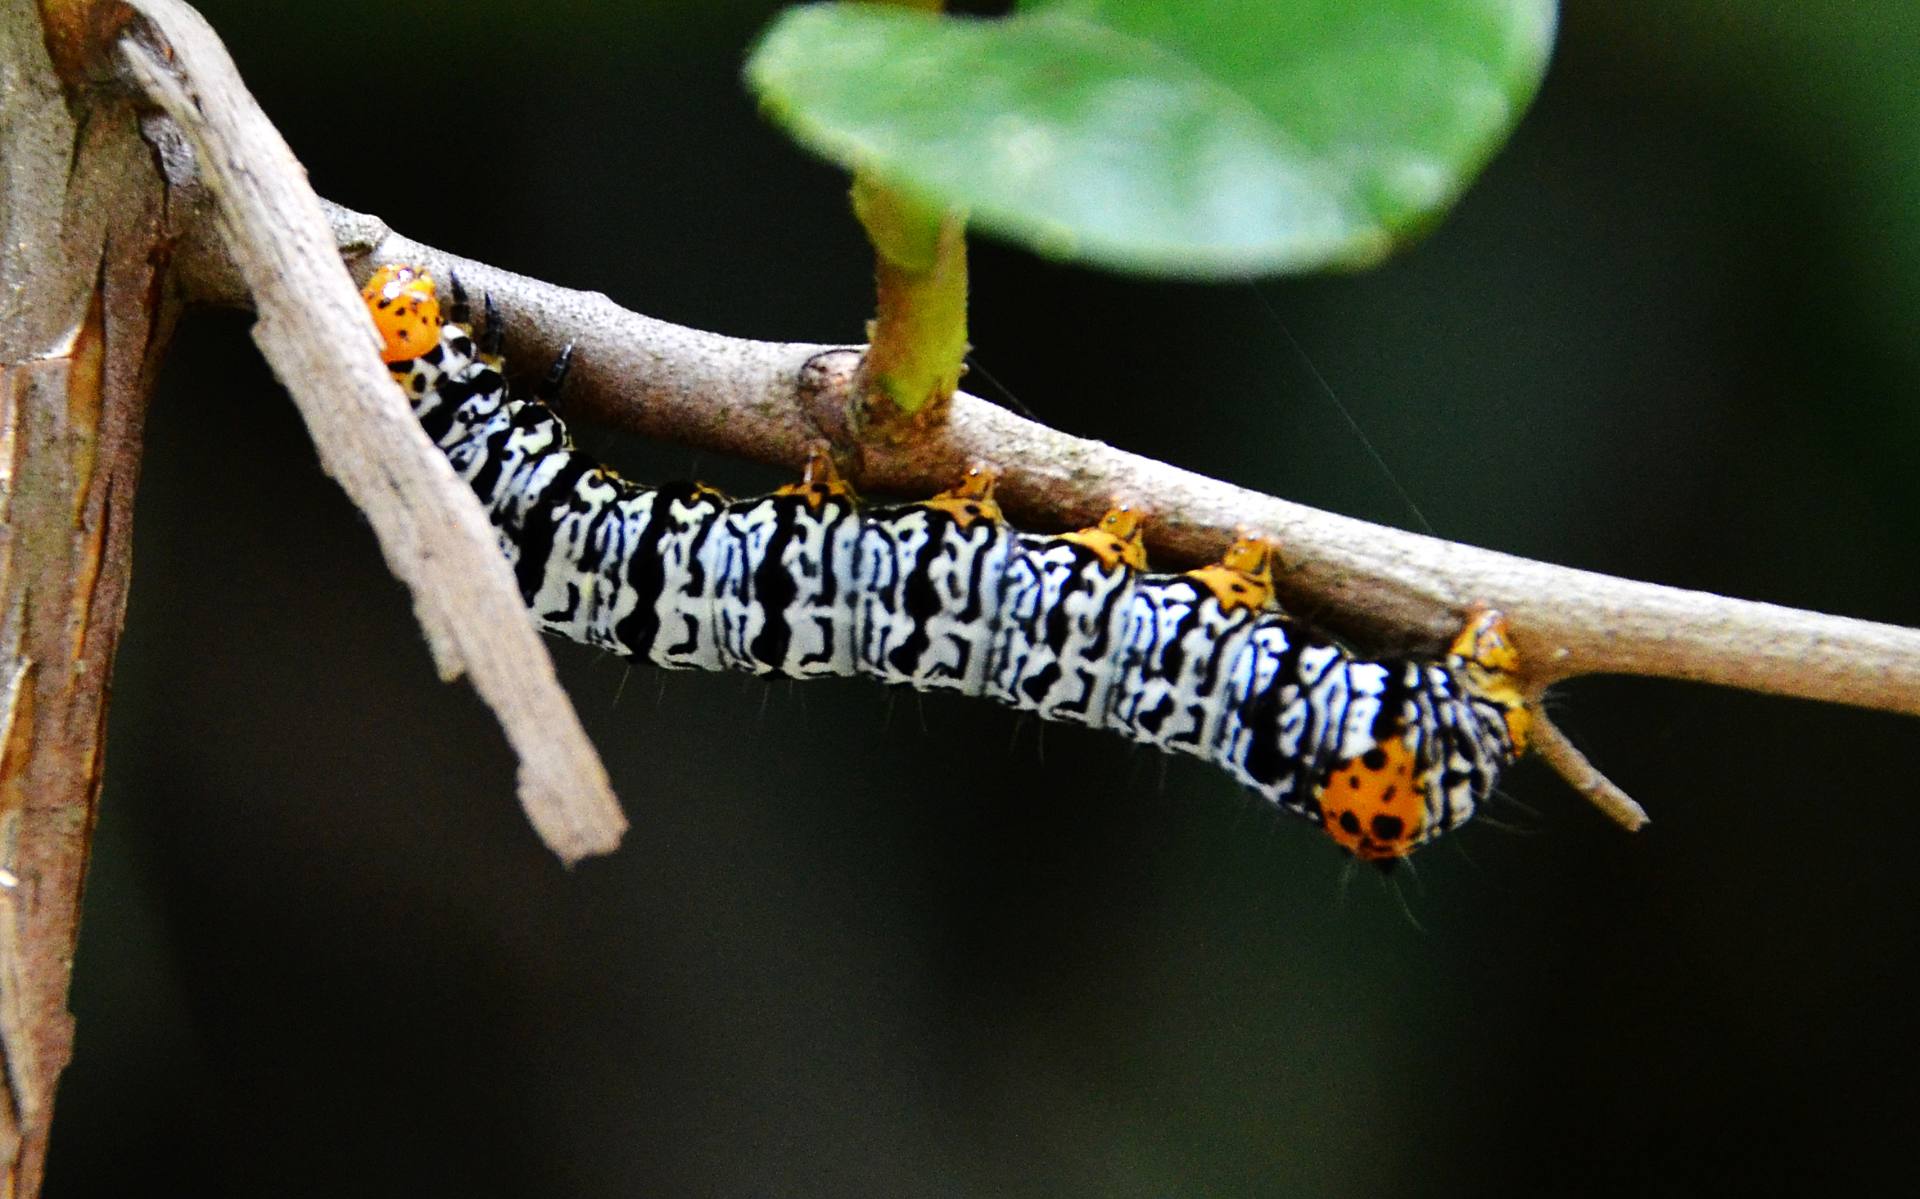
(405, 311)
(1370, 804)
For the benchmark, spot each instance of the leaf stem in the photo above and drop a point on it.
(918, 335)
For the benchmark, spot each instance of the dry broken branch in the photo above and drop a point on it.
(434, 535)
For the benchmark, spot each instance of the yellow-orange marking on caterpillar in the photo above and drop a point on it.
(1118, 538)
(1485, 655)
(1243, 578)
(820, 480)
(972, 500)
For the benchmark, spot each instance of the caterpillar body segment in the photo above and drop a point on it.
(944, 594)
(930, 585)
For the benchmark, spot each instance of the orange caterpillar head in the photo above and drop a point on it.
(1374, 806)
(405, 311)
(1381, 805)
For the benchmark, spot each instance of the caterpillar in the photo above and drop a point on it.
(943, 594)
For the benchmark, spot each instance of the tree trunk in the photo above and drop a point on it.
(84, 313)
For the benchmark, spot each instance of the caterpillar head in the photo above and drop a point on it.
(1374, 806)
(1385, 803)
(405, 311)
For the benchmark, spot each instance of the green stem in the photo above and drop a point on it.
(918, 337)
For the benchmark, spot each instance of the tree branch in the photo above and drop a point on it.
(435, 537)
(769, 401)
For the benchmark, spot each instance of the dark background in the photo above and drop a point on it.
(858, 943)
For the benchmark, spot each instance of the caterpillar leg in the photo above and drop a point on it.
(493, 330)
(972, 500)
(1119, 538)
(490, 334)
(459, 311)
(820, 480)
(1243, 578)
(556, 376)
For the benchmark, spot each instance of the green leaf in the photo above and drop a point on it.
(1191, 138)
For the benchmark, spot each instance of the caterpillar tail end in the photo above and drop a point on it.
(405, 311)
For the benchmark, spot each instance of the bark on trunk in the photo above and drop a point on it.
(84, 314)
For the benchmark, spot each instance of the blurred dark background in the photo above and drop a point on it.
(858, 943)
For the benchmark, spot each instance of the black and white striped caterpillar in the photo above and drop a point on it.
(944, 595)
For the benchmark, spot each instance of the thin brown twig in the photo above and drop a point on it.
(1583, 776)
(435, 537)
